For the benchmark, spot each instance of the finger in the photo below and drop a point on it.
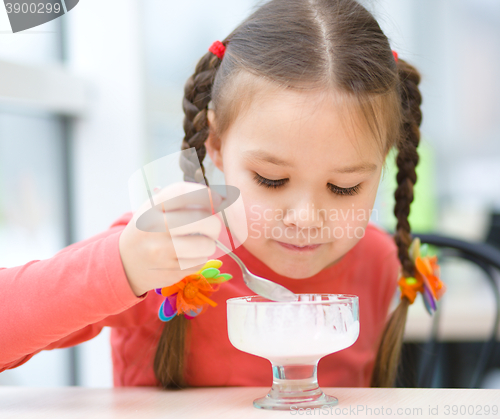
(193, 246)
(180, 218)
(164, 194)
(155, 220)
(151, 221)
(178, 188)
(186, 194)
(209, 227)
(192, 265)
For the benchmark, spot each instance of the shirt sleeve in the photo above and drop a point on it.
(64, 300)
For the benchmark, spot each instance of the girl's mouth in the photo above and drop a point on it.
(295, 248)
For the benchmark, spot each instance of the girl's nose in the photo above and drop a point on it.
(305, 214)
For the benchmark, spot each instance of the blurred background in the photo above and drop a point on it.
(87, 99)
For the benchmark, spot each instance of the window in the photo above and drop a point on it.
(36, 93)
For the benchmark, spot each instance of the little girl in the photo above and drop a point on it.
(306, 100)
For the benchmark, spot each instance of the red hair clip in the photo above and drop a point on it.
(395, 55)
(218, 49)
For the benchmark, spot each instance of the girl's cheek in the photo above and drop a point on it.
(346, 221)
(259, 219)
(250, 215)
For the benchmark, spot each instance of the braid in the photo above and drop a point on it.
(197, 95)
(407, 160)
(170, 354)
(387, 361)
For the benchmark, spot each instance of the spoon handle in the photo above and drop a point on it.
(230, 253)
(263, 287)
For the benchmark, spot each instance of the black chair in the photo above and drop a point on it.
(487, 258)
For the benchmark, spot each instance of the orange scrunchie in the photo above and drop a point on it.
(426, 280)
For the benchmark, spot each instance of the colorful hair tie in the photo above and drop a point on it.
(190, 295)
(426, 279)
(218, 49)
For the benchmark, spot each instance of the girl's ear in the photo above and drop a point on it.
(213, 143)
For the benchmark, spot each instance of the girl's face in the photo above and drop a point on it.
(308, 172)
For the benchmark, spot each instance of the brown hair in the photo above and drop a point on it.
(333, 45)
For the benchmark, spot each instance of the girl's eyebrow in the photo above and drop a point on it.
(362, 167)
(264, 156)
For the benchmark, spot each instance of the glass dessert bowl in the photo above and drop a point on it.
(294, 336)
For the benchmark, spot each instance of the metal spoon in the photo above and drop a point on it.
(261, 286)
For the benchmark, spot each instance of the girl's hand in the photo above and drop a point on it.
(149, 258)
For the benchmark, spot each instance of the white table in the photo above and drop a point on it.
(234, 403)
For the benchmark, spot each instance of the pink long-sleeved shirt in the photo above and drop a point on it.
(68, 299)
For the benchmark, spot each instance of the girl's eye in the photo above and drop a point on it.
(344, 191)
(269, 183)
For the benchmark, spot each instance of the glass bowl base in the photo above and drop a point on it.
(290, 403)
